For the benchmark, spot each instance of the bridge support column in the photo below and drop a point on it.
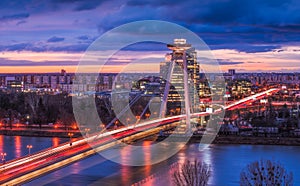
(186, 94)
(202, 119)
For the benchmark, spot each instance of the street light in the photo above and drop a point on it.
(116, 124)
(87, 130)
(147, 115)
(3, 154)
(102, 126)
(74, 126)
(70, 134)
(127, 121)
(27, 119)
(29, 147)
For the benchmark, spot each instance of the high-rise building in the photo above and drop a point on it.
(231, 72)
(172, 70)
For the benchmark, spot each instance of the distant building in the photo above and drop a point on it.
(14, 86)
(2, 81)
(63, 72)
(231, 72)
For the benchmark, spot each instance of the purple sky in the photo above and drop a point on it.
(242, 34)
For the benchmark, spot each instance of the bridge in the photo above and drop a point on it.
(24, 169)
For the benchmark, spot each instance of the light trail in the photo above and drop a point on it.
(65, 150)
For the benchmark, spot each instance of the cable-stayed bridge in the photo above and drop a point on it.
(24, 169)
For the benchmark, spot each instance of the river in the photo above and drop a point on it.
(16, 146)
(226, 162)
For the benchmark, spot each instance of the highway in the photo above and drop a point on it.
(29, 167)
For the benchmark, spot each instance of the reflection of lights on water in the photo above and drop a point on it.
(203, 147)
(1, 143)
(147, 160)
(55, 141)
(125, 171)
(147, 157)
(206, 152)
(76, 168)
(207, 157)
(18, 146)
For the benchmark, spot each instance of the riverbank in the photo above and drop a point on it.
(249, 140)
(257, 140)
(220, 139)
(40, 133)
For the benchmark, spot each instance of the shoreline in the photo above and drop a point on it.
(245, 140)
(257, 140)
(40, 133)
(219, 139)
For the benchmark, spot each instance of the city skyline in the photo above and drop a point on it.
(49, 36)
(149, 92)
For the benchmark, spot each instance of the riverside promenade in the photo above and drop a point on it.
(36, 132)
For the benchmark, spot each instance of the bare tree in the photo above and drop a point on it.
(265, 173)
(191, 174)
(32, 100)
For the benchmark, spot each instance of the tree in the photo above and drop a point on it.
(265, 173)
(191, 174)
(41, 118)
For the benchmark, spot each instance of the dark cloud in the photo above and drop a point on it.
(84, 37)
(247, 26)
(146, 46)
(248, 48)
(81, 5)
(68, 1)
(251, 62)
(44, 48)
(154, 3)
(236, 12)
(7, 62)
(17, 47)
(21, 22)
(14, 17)
(208, 61)
(86, 6)
(114, 63)
(55, 39)
(70, 48)
(222, 62)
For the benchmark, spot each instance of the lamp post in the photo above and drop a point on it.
(27, 118)
(116, 124)
(3, 154)
(102, 126)
(29, 147)
(127, 121)
(87, 130)
(74, 126)
(70, 134)
(147, 115)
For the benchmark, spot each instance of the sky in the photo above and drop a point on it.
(248, 35)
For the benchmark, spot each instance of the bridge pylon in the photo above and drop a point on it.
(181, 72)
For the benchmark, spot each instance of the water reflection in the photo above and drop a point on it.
(1, 144)
(147, 157)
(18, 146)
(15, 146)
(125, 170)
(226, 163)
(55, 141)
(148, 162)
